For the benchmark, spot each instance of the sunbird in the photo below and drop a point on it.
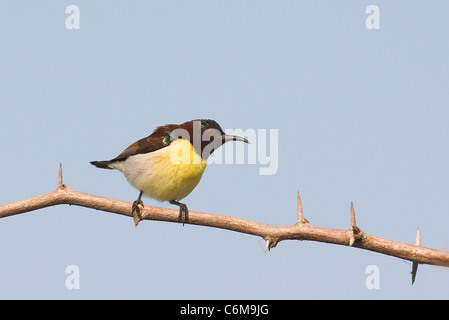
(169, 163)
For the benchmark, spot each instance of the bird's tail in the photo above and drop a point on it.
(102, 164)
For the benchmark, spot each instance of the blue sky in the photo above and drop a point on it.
(362, 115)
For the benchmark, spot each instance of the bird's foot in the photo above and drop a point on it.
(183, 211)
(137, 209)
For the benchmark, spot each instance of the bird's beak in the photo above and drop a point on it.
(227, 137)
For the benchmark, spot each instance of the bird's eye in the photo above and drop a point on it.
(211, 132)
(166, 140)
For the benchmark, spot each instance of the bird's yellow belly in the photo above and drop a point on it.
(170, 173)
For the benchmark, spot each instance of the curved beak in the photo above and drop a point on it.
(228, 137)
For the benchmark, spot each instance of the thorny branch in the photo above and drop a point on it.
(302, 230)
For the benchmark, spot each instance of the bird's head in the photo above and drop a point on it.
(206, 136)
(211, 129)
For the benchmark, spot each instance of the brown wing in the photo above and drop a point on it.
(159, 139)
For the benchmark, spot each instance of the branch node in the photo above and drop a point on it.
(415, 264)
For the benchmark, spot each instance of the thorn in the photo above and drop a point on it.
(355, 232)
(415, 264)
(351, 240)
(60, 184)
(418, 238)
(267, 245)
(270, 244)
(300, 212)
(353, 224)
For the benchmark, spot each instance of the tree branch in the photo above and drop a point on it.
(302, 230)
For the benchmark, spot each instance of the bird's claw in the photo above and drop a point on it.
(136, 211)
(183, 213)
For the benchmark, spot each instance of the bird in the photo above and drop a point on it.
(169, 163)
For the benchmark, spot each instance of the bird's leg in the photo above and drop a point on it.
(136, 209)
(183, 211)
